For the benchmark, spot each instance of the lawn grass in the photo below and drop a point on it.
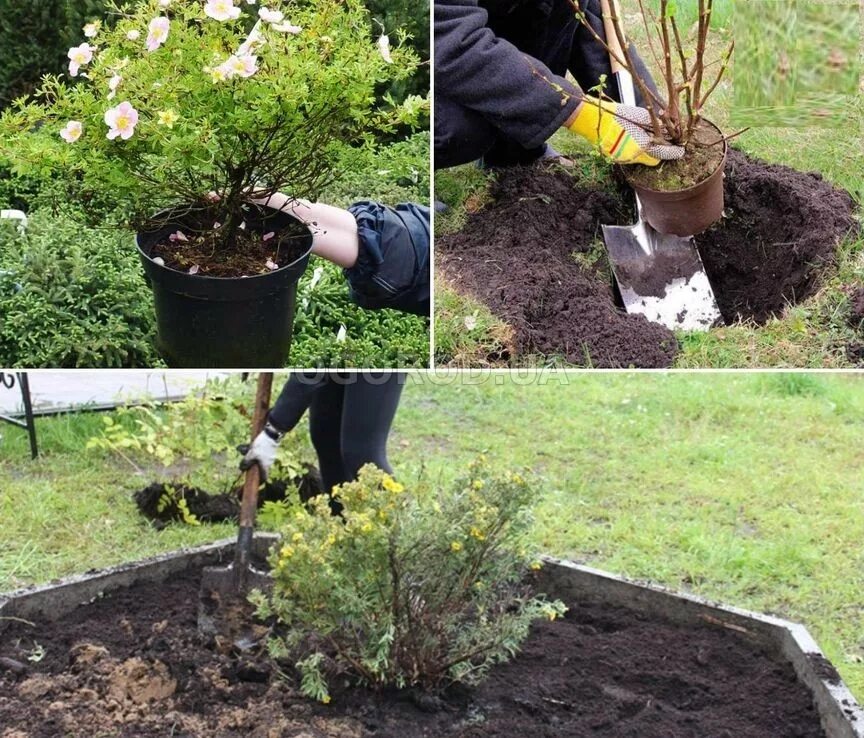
(741, 487)
(811, 334)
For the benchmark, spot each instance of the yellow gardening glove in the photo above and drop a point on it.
(622, 132)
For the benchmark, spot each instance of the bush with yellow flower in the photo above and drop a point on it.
(419, 587)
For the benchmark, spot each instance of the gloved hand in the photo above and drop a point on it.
(619, 131)
(262, 450)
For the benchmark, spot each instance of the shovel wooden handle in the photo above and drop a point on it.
(610, 9)
(249, 503)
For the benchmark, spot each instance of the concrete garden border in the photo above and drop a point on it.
(840, 714)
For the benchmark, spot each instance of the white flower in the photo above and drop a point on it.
(164, 3)
(91, 29)
(158, 33)
(221, 10)
(271, 16)
(470, 322)
(72, 132)
(121, 121)
(113, 84)
(133, 35)
(384, 48)
(342, 334)
(78, 57)
(237, 65)
(287, 28)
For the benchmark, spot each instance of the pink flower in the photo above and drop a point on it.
(158, 33)
(121, 121)
(72, 131)
(271, 265)
(179, 236)
(268, 236)
(244, 65)
(79, 56)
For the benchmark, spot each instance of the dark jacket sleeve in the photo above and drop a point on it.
(392, 269)
(513, 91)
(295, 398)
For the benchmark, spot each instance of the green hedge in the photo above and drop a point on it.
(72, 296)
(35, 36)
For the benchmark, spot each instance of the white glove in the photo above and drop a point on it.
(262, 451)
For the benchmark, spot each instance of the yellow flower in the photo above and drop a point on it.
(326, 699)
(552, 615)
(477, 533)
(391, 485)
(367, 527)
(297, 537)
(477, 484)
(456, 546)
(537, 565)
(331, 539)
(287, 552)
(518, 479)
(168, 118)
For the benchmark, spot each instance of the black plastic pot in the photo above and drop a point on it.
(227, 323)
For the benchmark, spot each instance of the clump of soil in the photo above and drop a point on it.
(131, 664)
(856, 311)
(779, 234)
(193, 245)
(160, 502)
(517, 256)
(702, 155)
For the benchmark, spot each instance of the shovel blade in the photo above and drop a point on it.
(223, 608)
(661, 277)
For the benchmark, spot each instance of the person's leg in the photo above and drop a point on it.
(542, 29)
(461, 135)
(367, 415)
(325, 431)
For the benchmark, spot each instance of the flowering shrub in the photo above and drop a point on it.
(408, 588)
(182, 98)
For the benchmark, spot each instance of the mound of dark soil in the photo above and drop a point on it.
(516, 255)
(131, 664)
(160, 502)
(780, 231)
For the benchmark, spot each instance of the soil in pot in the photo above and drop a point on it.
(702, 155)
(256, 250)
(535, 257)
(131, 664)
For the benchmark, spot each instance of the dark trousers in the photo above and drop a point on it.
(349, 422)
(549, 31)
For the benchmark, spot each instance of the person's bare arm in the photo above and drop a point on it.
(334, 230)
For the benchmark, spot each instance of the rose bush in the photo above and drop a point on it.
(182, 98)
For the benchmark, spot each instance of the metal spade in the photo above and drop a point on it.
(659, 275)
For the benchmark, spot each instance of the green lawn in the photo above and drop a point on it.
(745, 488)
(812, 334)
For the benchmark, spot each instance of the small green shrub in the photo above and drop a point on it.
(72, 297)
(416, 588)
(177, 439)
(372, 338)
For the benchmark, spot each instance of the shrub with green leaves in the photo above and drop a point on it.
(409, 588)
(72, 297)
(177, 439)
(180, 99)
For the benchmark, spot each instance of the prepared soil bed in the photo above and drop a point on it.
(520, 255)
(132, 664)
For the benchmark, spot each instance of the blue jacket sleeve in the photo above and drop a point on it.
(392, 269)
